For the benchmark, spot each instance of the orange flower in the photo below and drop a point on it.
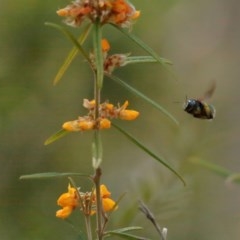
(127, 114)
(105, 123)
(68, 201)
(123, 12)
(118, 12)
(107, 203)
(71, 126)
(81, 124)
(106, 111)
(105, 45)
(86, 124)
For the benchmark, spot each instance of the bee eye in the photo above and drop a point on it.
(189, 105)
(191, 102)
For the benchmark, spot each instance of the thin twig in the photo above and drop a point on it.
(149, 215)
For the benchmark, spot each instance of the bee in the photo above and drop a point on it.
(200, 109)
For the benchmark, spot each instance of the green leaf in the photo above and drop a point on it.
(71, 38)
(61, 133)
(141, 44)
(72, 54)
(144, 97)
(51, 175)
(234, 177)
(126, 235)
(127, 229)
(144, 59)
(149, 152)
(219, 170)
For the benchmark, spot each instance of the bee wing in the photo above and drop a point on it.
(209, 92)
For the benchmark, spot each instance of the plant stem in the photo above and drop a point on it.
(97, 144)
(97, 38)
(88, 227)
(98, 74)
(96, 179)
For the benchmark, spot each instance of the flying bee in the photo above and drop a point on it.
(200, 109)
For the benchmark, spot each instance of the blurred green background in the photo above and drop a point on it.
(202, 39)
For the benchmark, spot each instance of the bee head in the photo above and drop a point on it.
(189, 105)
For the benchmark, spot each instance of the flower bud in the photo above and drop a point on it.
(128, 115)
(86, 124)
(71, 126)
(105, 45)
(104, 123)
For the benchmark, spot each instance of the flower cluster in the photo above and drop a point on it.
(118, 12)
(106, 111)
(112, 61)
(86, 201)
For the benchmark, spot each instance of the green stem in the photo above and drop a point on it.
(97, 143)
(88, 227)
(99, 73)
(96, 178)
(97, 38)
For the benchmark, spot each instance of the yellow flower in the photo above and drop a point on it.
(107, 203)
(105, 45)
(89, 104)
(104, 123)
(64, 212)
(68, 201)
(71, 126)
(123, 12)
(86, 124)
(107, 111)
(82, 124)
(128, 114)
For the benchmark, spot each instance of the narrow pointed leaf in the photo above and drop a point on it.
(71, 38)
(149, 152)
(144, 97)
(144, 59)
(219, 170)
(127, 236)
(61, 133)
(51, 175)
(211, 166)
(72, 54)
(141, 44)
(127, 229)
(234, 177)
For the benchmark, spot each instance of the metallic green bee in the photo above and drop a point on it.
(200, 109)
